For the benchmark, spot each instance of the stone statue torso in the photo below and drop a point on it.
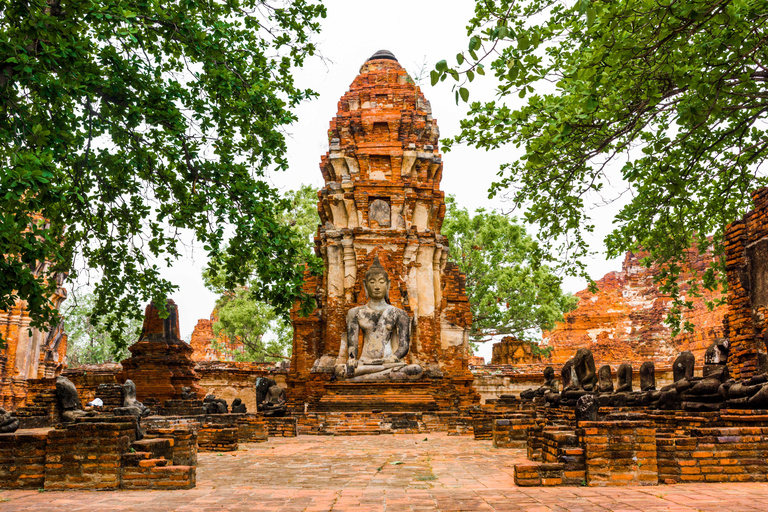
(377, 327)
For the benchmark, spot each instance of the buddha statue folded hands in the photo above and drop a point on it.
(386, 334)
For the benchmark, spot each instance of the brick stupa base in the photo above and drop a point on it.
(160, 363)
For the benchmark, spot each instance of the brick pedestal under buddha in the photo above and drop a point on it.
(382, 207)
(160, 363)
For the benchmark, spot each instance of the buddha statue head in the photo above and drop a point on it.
(377, 282)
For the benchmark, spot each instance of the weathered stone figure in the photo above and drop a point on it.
(550, 385)
(648, 376)
(669, 397)
(8, 423)
(270, 398)
(188, 394)
(624, 378)
(215, 405)
(386, 336)
(238, 407)
(69, 400)
(584, 364)
(586, 408)
(606, 379)
(132, 407)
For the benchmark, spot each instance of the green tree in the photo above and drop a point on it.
(89, 343)
(252, 324)
(666, 98)
(510, 291)
(123, 123)
(243, 317)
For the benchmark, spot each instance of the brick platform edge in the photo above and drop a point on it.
(653, 448)
(95, 453)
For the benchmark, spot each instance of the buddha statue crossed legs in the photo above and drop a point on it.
(386, 336)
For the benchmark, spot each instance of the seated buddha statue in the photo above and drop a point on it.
(386, 336)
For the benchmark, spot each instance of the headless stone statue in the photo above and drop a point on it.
(584, 364)
(69, 400)
(550, 385)
(238, 407)
(188, 394)
(670, 397)
(270, 398)
(215, 405)
(132, 407)
(386, 336)
(605, 384)
(625, 378)
(586, 408)
(648, 376)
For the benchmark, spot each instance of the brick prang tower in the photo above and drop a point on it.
(382, 199)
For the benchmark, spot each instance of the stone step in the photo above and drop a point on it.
(160, 448)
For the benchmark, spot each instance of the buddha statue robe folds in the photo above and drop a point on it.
(386, 333)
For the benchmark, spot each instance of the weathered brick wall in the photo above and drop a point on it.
(512, 432)
(726, 454)
(87, 455)
(252, 429)
(215, 438)
(282, 427)
(619, 453)
(746, 253)
(624, 320)
(22, 459)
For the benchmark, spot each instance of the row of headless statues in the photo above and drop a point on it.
(712, 391)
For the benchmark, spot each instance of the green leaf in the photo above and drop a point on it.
(434, 77)
(590, 16)
(464, 93)
(442, 65)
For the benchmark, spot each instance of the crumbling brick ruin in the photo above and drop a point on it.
(513, 351)
(624, 320)
(29, 353)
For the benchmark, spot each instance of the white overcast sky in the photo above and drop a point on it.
(414, 31)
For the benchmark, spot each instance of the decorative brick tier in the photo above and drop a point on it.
(381, 396)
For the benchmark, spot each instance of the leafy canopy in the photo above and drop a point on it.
(89, 343)
(510, 291)
(248, 328)
(124, 122)
(667, 99)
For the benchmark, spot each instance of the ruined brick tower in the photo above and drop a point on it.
(382, 198)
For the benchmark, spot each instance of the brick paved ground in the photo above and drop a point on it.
(385, 473)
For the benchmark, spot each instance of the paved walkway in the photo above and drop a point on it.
(389, 473)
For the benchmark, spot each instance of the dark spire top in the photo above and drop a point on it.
(383, 54)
